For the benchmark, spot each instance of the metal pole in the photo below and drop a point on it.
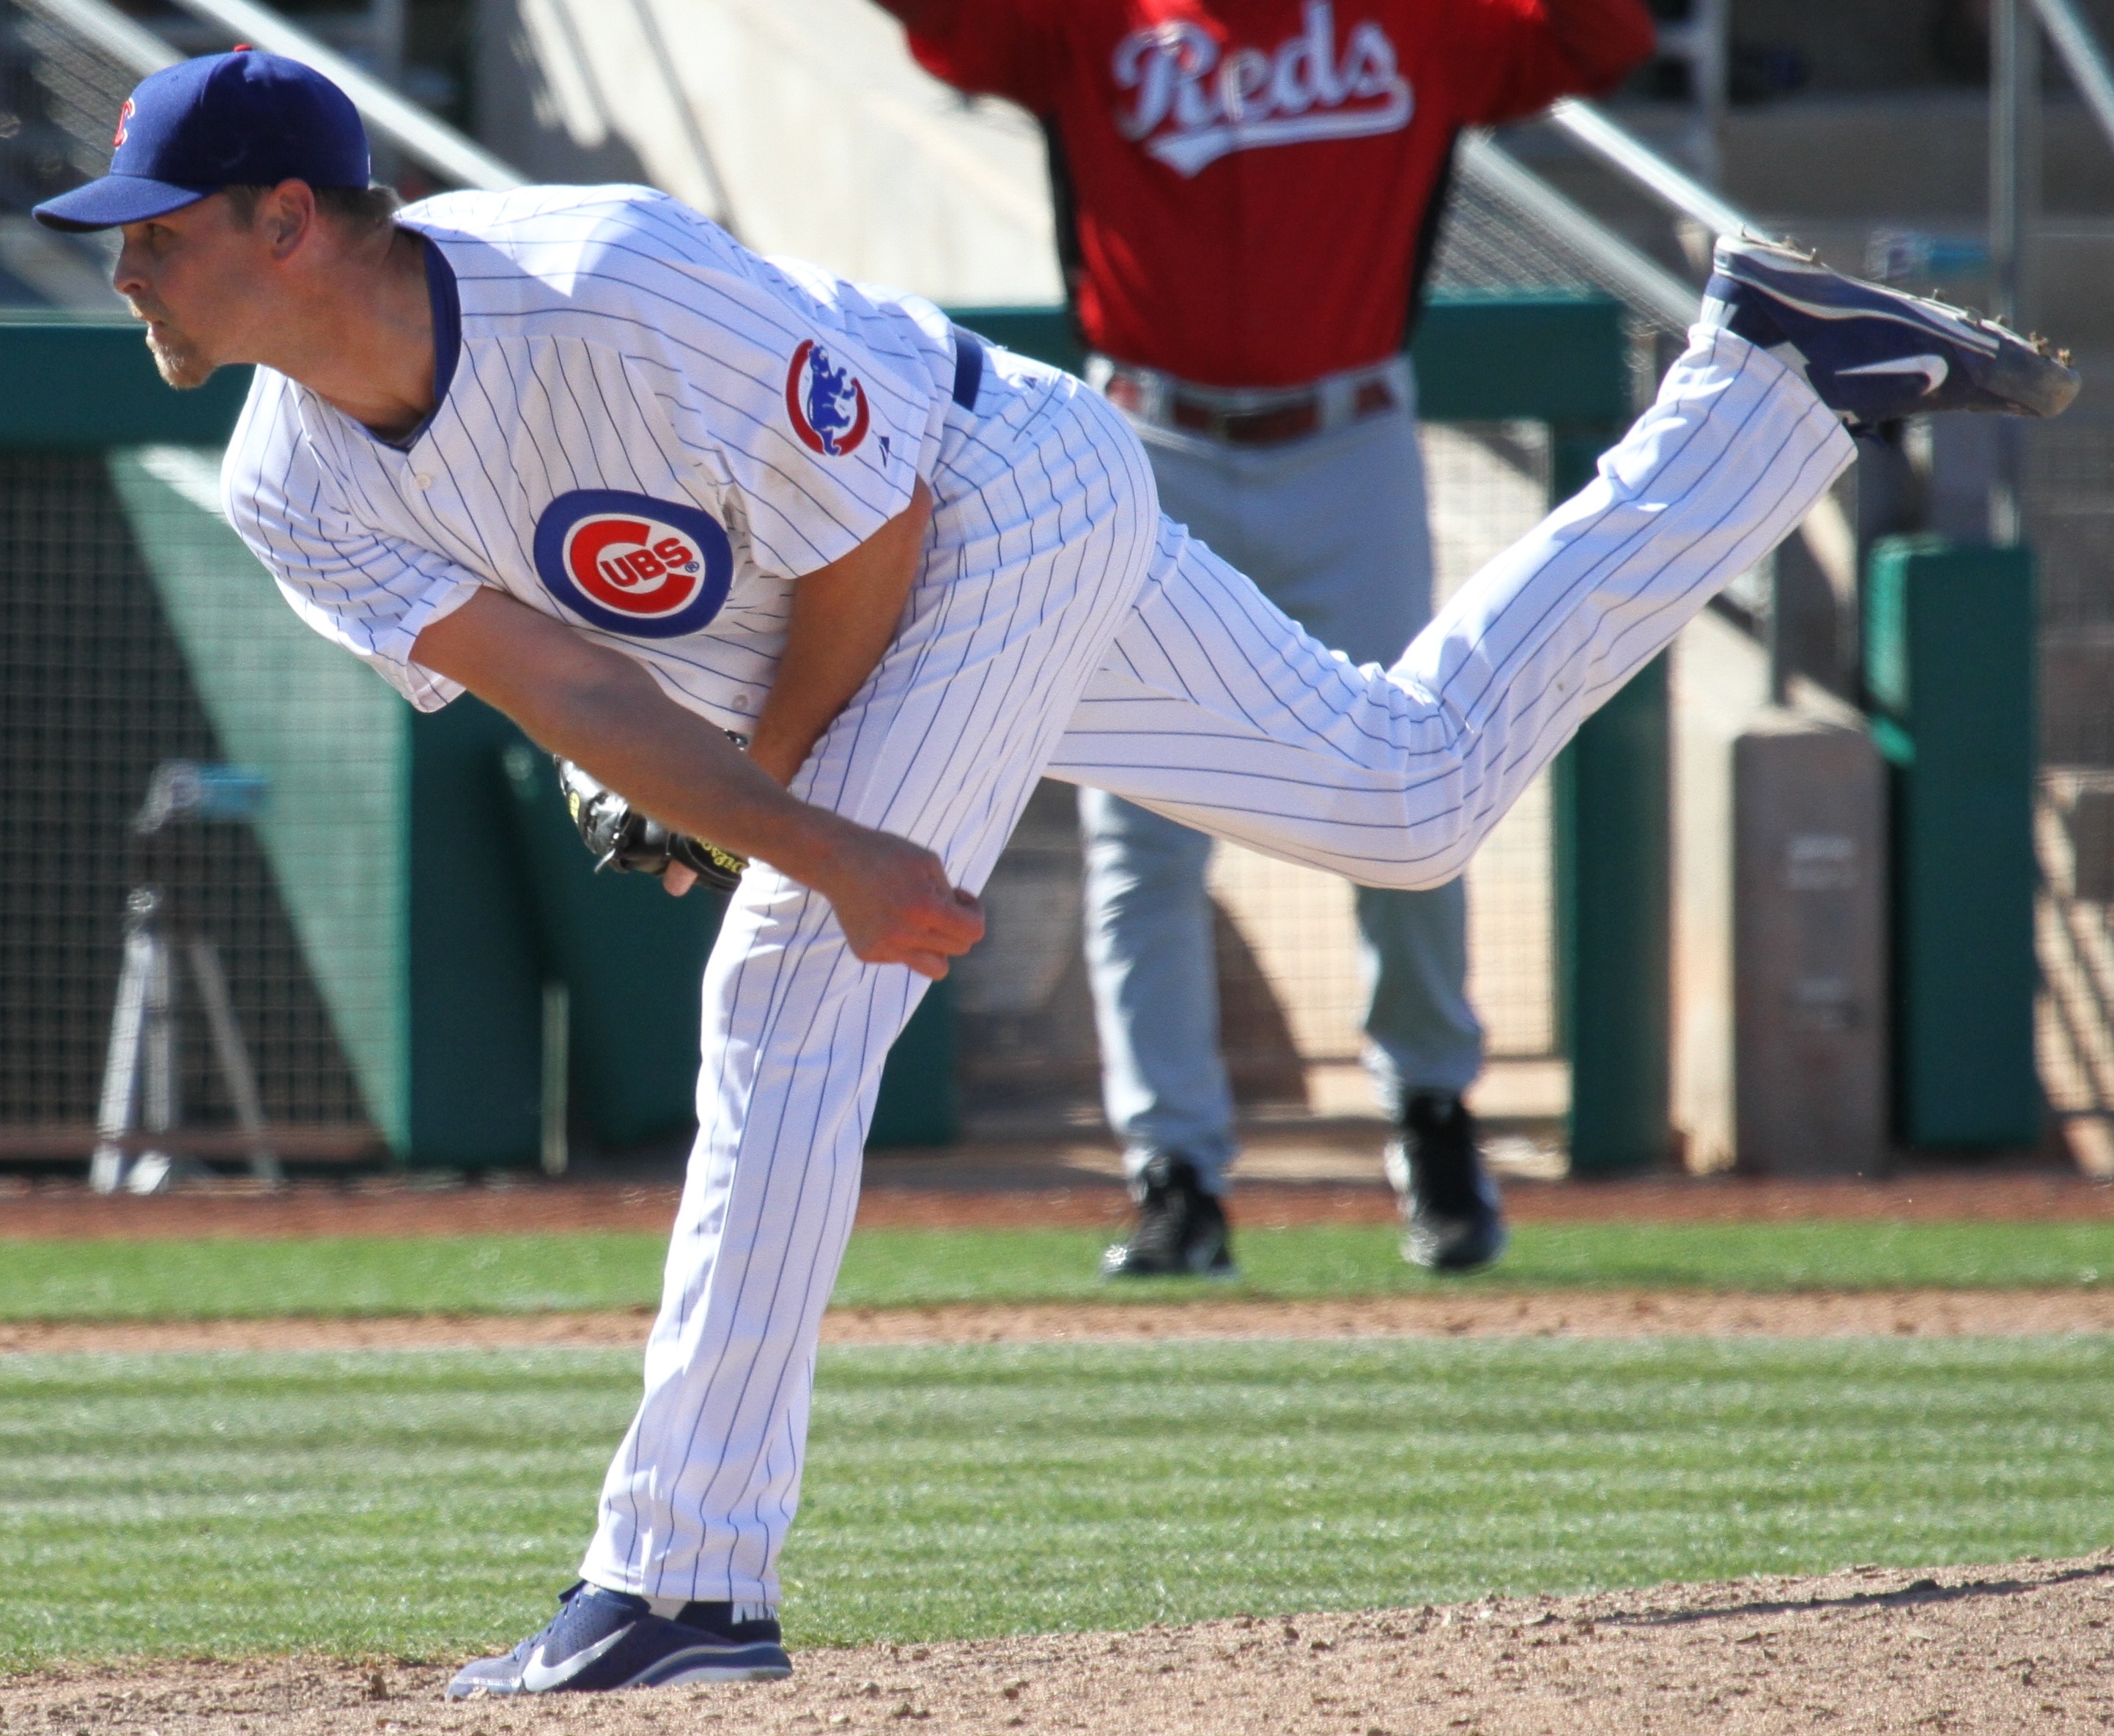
(1698, 41)
(2015, 178)
(557, 1032)
(686, 117)
(1709, 27)
(1778, 636)
(120, 1069)
(160, 1086)
(385, 48)
(1714, 78)
(384, 36)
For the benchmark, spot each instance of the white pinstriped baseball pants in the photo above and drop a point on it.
(1064, 626)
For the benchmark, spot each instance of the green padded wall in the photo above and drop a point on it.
(1614, 872)
(333, 740)
(631, 957)
(475, 987)
(87, 383)
(1949, 639)
(1549, 357)
(919, 1102)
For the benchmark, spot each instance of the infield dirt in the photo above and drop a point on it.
(2024, 1647)
(1331, 1177)
(1611, 1313)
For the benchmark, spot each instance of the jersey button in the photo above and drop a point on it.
(423, 481)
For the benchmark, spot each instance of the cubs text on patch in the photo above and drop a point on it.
(632, 565)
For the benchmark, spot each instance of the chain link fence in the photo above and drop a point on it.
(2069, 511)
(102, 577)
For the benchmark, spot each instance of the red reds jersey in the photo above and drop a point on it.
(1251, 184)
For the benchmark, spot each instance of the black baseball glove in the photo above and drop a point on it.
(621, 837)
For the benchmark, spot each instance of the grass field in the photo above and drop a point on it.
(431, 1503)
(118, 1281)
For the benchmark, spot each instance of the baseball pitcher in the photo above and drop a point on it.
(577, 452)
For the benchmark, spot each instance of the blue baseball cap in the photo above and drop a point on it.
(244, 119)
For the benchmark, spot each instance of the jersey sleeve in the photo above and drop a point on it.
(804, 446)
(1519, 55)
(371, 594)
(990, 47)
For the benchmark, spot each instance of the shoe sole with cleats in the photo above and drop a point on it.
(1875, 353)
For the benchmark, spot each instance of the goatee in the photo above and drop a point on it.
(180, 367)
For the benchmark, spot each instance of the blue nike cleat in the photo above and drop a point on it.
(602, 1640)
(1874, 354)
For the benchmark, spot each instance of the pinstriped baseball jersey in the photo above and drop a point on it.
(643, 428)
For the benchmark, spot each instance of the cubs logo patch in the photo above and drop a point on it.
(633, 564)
(827, 404)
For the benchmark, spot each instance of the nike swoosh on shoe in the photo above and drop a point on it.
(1935, 369)
(538, 1678)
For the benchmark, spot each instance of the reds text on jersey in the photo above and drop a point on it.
(1195, 100)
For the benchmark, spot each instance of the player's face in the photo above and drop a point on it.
(196, 277)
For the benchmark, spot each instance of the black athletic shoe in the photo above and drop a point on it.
(1453, 1221)
(601, 1640)
(1874, 355)
(1181, 1230)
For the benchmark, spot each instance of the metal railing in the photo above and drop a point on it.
(2082, 57)
(1625, 272)
(1614, 145)
(129, 43)
(418, 134)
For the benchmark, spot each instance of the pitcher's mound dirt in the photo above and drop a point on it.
(1867, 1650)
